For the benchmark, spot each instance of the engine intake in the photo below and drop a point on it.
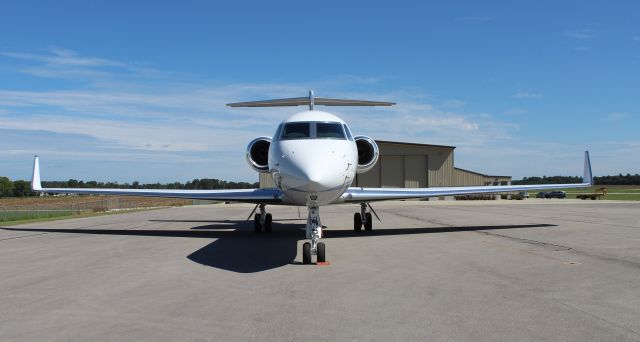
(368, 153)
(258, 154)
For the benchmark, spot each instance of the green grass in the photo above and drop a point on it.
(18, 215)
(70, 214)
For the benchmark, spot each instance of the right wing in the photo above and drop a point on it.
(266, 196)
(382, 194)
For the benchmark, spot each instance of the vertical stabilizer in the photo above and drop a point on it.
(35, 177)
(311, 99)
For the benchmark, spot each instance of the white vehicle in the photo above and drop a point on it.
(313, 158)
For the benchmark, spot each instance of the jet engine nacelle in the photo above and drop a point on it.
(258, 154)
(368, 153)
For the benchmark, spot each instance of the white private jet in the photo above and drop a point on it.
(313, 158)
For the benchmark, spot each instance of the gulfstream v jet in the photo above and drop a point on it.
(313, 159)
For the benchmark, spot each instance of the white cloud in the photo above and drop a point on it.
(516, 111)
(582, 48)
(454, 103)
(580, 34)
(125, 121)
(475, 20)
(617, 116)
(526, 95)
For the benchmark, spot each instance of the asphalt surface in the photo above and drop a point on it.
(533, 270)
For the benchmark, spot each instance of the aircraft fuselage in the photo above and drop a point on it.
(313, 170)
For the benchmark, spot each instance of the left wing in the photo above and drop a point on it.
(266, 196)
(381, 194)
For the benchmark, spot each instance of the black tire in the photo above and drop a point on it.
(267, 223)
(357, 222)
(368, 226)
(321, 252)
(306, 253)
(256, 224)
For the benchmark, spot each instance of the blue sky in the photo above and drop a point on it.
(124, 91)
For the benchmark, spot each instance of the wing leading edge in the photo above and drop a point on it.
(267, 196)
(381, 194)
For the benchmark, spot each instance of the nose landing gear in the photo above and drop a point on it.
(314, 233)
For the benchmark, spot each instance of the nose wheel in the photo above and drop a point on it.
(314, 233)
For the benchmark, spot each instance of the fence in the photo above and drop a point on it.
(80, 206)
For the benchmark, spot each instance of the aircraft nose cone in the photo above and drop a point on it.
(316, 179)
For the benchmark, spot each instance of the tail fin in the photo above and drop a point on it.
(587, 177)
(35, 176)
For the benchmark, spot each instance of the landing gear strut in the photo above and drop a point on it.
(262, 220)
(314, 233)
(363, 218)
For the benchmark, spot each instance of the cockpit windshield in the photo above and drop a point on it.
(312, 130)
(296, 130)
(329, 130)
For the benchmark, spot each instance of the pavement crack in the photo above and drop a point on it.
(530, 241)
(572, 307)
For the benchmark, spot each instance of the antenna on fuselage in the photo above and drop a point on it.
(311, 101)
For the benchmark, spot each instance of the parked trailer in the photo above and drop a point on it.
(602, 192)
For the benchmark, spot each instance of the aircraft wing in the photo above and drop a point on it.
(266, 196)
(381, 194)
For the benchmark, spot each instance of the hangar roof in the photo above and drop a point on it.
(482, 174)
(412, 144)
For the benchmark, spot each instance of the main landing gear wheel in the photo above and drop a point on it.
(368, 226)
(262, 220)
(357, 222)
(256, 224)
(267, 223)
(306, 253)
(321, 252)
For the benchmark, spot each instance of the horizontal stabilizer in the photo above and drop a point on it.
(304, 101)
(309, 101)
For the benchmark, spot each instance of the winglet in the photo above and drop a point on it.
(587, 176)
(35, 177)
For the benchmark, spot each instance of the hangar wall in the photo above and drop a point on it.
(409, 165)
(464, 177)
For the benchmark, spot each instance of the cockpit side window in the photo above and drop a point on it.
(296, 130)
(346, 130)
(329, 130)
(276, 136)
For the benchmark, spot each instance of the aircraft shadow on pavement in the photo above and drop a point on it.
(238, 249)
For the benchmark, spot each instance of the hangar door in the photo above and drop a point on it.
(404, 171)
(392, 171)
(415, 171)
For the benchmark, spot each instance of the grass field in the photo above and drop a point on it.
(18, 215)
(48, 207)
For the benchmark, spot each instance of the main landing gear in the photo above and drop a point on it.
(262, 221)
(363, 218)
(314, 233)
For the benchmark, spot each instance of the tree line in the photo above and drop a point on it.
(620, 179)
(21, 188)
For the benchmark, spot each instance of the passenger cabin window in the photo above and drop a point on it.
(296, 130)
(329, 130)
